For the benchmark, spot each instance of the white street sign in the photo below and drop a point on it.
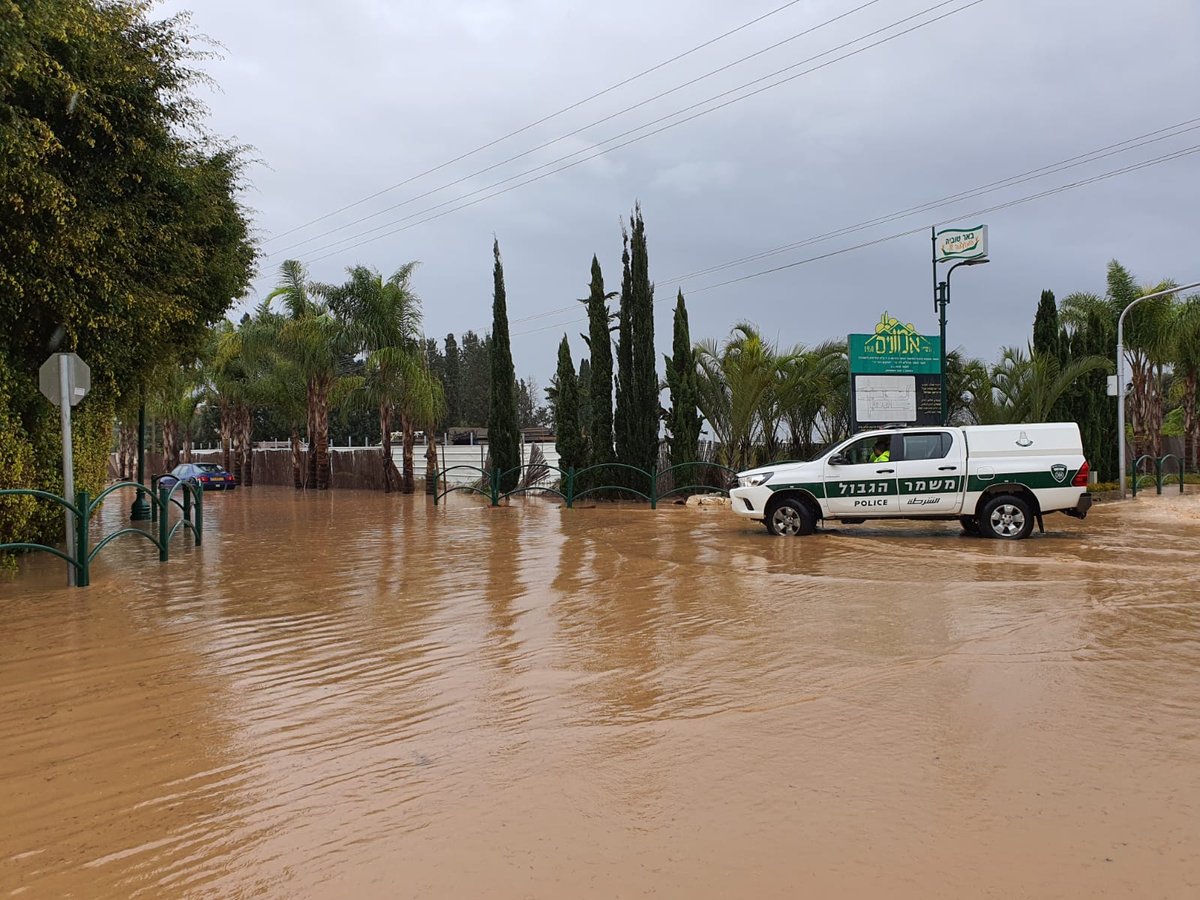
(1112, 385)
(961, 243)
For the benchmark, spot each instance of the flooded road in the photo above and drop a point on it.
(354, 695)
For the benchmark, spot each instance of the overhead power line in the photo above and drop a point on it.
(580, 130)
(333, 249)
(541, 121)
(1091, 156)
(1124, 170)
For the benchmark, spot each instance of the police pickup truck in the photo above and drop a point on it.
(997, 480)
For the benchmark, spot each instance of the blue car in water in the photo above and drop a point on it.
(209, 476)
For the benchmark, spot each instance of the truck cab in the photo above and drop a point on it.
(997, 480)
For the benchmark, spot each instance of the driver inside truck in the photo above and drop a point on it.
(881, 453)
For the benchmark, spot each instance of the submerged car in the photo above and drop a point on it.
(209, 476)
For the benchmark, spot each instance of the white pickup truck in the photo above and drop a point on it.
(997, 480)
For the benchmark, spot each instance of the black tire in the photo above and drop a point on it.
(790, 517)
(1006, 518)
(970, 525)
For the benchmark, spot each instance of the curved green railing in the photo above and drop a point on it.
(568, 481)
(1158, 477)
(85, 507)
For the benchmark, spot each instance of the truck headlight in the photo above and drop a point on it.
(754, 480)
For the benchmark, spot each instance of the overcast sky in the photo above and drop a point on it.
(342, 100)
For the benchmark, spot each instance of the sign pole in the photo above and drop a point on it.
(943, 295)
(68, 459)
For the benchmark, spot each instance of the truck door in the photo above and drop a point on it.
(930, 473)
(855, 487)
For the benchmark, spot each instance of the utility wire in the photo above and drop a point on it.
(540, 121)
(602, 152)
(1091, 156)
(577, 131)
(1169, 157)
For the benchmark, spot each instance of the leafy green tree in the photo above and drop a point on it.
(475, 395)
(623, 412)
(684, 421)
(452, 381)
(567, 433)
(732, 380)
(318, 344)
(504, 437)
(643, 397)
(1186, 361)
(1047, 334)
(1025, 386)
(383, 319)
(599, 384)
(122, 237)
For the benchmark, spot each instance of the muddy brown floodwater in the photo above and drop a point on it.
(354, 695)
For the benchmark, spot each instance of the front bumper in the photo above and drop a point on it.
(750, 502)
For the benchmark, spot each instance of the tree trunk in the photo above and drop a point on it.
(247, 446)
(431, 460)
(323, 475)
(226, 435)
(391, 477)
(170, 433)
(1191, 433)
(297, 461)
(310, 460)
(409, 441)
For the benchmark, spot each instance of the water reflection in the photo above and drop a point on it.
(358, 695)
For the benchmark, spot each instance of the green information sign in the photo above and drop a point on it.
(895, 349)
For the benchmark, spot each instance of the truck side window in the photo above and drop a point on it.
(934, 445)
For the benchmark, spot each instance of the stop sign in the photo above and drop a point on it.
(79, 378)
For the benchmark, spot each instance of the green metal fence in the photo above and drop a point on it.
(1158, 477)
(566, 483)
(190, 503)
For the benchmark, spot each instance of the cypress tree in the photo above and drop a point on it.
(453, 382)
(504, 437)
(1046, 331)
(585, 407)
(567, 435)
(622, 418)
(600, 383)
(644, 395)
(1051, 339)
(684, 421)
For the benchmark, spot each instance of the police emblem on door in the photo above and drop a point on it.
(1059, 471)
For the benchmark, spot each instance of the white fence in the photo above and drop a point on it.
(450, 455)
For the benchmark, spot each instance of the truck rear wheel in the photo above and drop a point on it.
(1006, 517)
(970, 525)
(790, 517)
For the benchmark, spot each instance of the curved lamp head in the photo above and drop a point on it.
(976, 262)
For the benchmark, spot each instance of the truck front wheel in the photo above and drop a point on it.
(790, 517)
(970, 525)
(1006, 517)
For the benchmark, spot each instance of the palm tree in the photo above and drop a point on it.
(1024, 386)
(1148, 345)
(317, 343)
(733, 381)
(1186, 363)
(173, 400)
(384, 321)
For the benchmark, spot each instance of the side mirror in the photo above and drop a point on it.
(838, 460)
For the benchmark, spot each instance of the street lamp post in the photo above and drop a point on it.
(940, 301)
(1121, 372)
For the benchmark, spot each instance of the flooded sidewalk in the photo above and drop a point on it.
(358, 695)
